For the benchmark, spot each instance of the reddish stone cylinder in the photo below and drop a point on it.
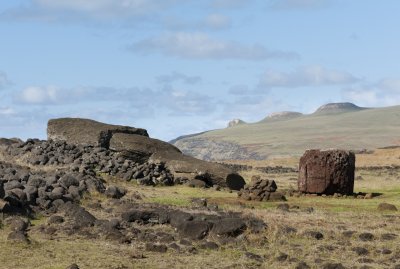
(327, 172)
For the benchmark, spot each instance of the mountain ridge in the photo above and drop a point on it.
(345, 126)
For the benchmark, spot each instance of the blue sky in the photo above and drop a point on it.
(180, 66)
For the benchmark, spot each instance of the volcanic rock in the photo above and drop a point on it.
(327, 172)
(179, 164)
(261, 190)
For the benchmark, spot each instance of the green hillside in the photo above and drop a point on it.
(354, 129)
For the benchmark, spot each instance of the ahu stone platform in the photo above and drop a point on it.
(135, 144)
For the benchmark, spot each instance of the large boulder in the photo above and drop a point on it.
(327, 172)
(180, 164)
(88, 132)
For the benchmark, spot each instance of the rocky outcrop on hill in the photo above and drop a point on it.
(235, 122)
(333, 108)
(135, 145)
(327, 172)
(284, 115)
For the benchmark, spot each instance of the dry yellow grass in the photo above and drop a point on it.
(330, 216)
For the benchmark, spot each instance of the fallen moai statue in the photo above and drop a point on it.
(327, 172)
(87, 132)
(134, 144)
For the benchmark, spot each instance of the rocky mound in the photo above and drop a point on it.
(235, 122)
(261, 190)
(285, 115)
(333, 108)
(90, 160)
(135, 145)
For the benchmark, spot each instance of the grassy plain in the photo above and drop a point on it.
(284, 244)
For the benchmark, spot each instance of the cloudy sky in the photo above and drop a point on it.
(181, 66)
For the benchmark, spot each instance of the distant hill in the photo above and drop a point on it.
(335, 108)
(278, 116)
(336, 125)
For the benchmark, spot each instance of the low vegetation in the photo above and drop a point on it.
(312, 232)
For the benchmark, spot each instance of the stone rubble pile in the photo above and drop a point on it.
(24, 189)
(261, 190)
(90, 160)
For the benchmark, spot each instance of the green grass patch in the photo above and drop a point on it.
(170, 201)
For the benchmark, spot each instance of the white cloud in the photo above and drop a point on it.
(299, 4)
(89, 10)
(186, 103)
(386, 92)
(43, 95)
(6, 111)
(176, 76)
(217, 21)
(145, 101)
(306, 76)
(202, 46)
(105, 8)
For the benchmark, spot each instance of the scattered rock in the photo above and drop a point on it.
(194, 229)
(282, 257)
(55, 219)
(156, 247)
(366, 237)
(197, 183)
(199, 202)
(302, 265)
(255, 257)
(73, 266)
(17, 224)
(283, 207)
(360, 251)
(18, 236)
(115, 192)
(348, 234)
(229, 227)
(209, 245)
(261, 190)
(389, 236)
(333, 266)
(314, 234)
(386, 206)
